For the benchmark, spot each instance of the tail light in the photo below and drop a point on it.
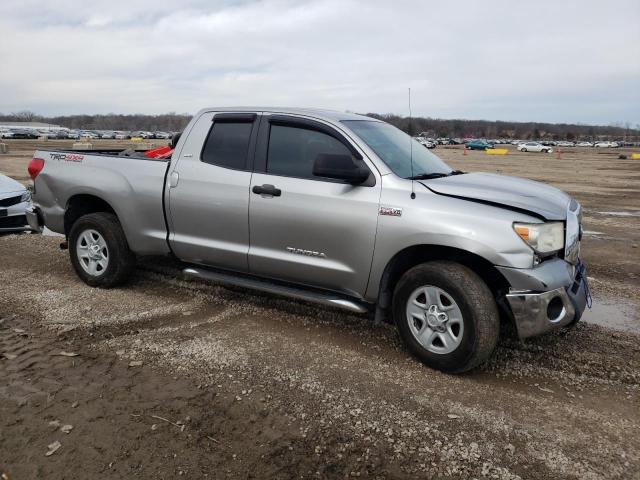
(35, 167)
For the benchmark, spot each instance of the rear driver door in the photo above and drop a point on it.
(209, 191)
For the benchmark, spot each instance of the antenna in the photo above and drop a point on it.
(413, 193)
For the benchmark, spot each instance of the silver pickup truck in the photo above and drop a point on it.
(333, 208)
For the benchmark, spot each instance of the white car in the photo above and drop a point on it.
(14, 200)
(426, 142)
(534, 147)
(584, 144)
(606, 145)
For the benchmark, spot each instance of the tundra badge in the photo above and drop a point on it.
(391, 211)
(308, 253)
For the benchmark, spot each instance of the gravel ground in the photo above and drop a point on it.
(175, 377)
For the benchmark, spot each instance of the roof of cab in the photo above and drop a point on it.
(328, 115)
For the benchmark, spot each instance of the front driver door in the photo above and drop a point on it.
(306, 229)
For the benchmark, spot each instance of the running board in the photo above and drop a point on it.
(323, 298)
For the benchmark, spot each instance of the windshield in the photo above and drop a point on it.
(394, 147)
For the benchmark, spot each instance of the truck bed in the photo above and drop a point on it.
(132, 186)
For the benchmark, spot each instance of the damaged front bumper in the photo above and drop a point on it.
(547, 297)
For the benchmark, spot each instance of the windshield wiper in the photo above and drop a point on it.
(429, 176)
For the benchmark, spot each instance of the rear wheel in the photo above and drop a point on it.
(99, 250)
(446, 315)
(523, 150)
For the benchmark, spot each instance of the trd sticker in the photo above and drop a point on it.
(390, 211)
(67, 157)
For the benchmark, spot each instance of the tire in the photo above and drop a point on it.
(523, 150)
(477, 329)
(544, 150)
(111, 258)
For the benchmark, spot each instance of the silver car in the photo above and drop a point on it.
(334, 208)
(14, 200)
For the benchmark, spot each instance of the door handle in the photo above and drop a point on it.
(266, 190)
(173, 179)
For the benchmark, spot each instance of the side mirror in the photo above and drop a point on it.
(340, 167)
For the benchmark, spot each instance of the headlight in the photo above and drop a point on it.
(26, 197)
(542, 237)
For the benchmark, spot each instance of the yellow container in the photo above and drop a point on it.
(136, 139)
(496, 151)
(635, 156)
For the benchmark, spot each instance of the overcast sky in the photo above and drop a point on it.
(558, 61)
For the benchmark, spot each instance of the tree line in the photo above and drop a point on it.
(459, 128)
(432, 127)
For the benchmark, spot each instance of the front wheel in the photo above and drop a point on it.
(446, 316)
(523, 150)
(99, 250)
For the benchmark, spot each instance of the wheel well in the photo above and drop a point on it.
(412, 256)
(80, 205)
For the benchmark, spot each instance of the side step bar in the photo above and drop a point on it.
(322, 298)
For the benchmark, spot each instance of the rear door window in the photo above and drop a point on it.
(228, 145)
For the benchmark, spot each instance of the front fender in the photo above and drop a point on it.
(433, 220)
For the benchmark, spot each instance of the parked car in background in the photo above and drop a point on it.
(60, 135)
(534, 147)
(23, 133)
(428, 143)
(14, 200)
(122, 136)
(584, 144)
(479, 145)
(563, 143)
(73, 135)
(108, 135)
(89, 134)
(606, 145)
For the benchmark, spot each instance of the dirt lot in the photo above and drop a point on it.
(174, 377)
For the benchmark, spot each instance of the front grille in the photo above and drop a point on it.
(7, 202)
(16, 221)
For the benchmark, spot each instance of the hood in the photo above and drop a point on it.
(9, 185)
(535, 197)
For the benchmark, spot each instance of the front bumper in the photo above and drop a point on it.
(14, 219)
(557, 299)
